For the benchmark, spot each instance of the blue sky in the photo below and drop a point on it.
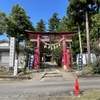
(36, 9)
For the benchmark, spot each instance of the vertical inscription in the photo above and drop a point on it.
(12, 52)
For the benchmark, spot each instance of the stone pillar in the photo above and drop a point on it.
(11, 53)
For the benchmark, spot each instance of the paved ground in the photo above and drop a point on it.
(39, 86)
(50, 73)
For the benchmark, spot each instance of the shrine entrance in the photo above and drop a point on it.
(65, 51)
(46, 56)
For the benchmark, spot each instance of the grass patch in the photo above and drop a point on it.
(73, 67)
(87, 95)
(3, 71)
(6, 73)
(86, 70)
(92, 94)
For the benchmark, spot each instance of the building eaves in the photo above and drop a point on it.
(4, 41)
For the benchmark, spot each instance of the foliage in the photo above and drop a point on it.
(95, 49)
(64, 25)
(96, 67)
(2, 25)
(53, 23)
(78, 12)
(95, 27)
(57, 54)
(26, 51)
(76, 17)
(16, 23)
(41, 26)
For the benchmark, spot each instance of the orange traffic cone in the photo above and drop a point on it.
(76, 88)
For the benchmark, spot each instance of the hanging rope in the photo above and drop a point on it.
(52, 46)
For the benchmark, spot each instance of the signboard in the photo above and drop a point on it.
(80, 62)
(30, 61)
(12, 52)
(51, 37)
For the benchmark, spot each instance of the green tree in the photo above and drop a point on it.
(95, 48)
(53, 23)
(95, 27)
(16, 24)
(2, 25)
(88, 8)
(77, 17)
(64, 25)
(41, 26)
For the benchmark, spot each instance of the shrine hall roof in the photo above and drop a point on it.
(33, 33)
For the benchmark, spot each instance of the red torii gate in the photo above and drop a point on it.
(65, 51)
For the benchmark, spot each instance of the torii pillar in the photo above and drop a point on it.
(37, 54)
(65, 54)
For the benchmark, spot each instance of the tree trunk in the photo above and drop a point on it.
(16, 56)
(80, 39)
(17, 51)
(87, 36)
(26, 60)
(26, 63)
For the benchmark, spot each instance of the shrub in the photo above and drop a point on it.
(96, 67)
